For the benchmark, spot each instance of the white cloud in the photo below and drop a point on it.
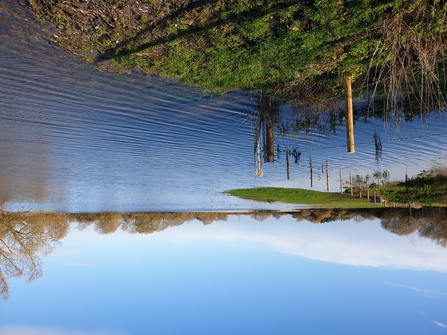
(343, 242)
(64, 251)
(406, 287)
(27, 330)
(83, 264)
(440, 324)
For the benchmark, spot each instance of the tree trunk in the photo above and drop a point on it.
(349, 115)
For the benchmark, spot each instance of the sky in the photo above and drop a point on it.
(236, 276)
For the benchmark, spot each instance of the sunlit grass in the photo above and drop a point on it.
(302, 197)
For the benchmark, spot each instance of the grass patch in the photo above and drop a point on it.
(426, 189)
(302, 197)
(59, 18)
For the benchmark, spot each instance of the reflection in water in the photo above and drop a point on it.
(378, 146)
(25, 237)
(266, 118)
(431, 224)
(315, 130)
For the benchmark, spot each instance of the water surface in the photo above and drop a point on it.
(77, 140)
(243, 274)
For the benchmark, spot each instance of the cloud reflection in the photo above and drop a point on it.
(425, 292)
(342, 242)
(84, 264)
(440, 324)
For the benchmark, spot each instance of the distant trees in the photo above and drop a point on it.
(361, 183)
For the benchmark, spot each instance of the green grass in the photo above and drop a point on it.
(59, 18)
(302, 197)
(426, 189)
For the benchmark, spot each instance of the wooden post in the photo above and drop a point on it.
(288, 164)
(367, 186)
(349, 115)
(311, 176)
(408, 193)
(341, 182)
(328, 180)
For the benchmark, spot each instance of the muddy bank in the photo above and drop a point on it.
(97, 29)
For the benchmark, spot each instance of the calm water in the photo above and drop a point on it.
(77, 140)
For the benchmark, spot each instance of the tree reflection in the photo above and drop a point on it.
(26, 237)
(142, 223)
(433, 225)
(400, 225)
(23, 240)
(429, 223)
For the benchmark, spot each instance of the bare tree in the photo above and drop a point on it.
(23, 239)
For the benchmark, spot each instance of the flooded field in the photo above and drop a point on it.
(76, 140)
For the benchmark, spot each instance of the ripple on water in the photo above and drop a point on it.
(76, 139)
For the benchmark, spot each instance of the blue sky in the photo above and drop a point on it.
(236, 276)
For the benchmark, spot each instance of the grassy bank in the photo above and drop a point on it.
(428, 188)
(288, 49)
(302, 197)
